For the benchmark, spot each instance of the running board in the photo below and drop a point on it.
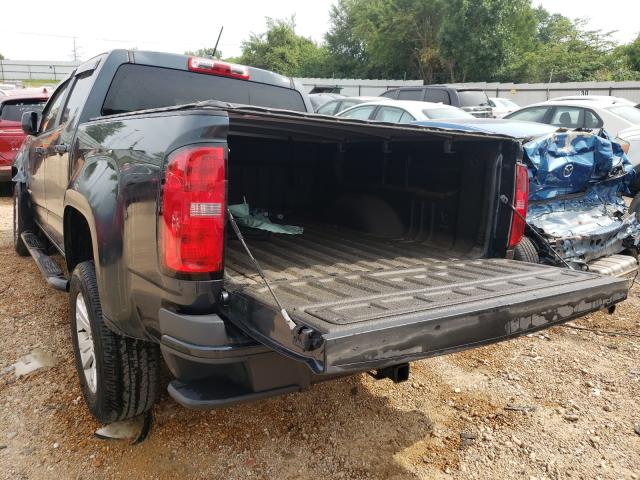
(51, 272)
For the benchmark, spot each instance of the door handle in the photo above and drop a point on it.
(41, 150)
(61, 148)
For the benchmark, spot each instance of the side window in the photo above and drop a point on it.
(389, 114)
(52, 109)
(346, 104)
(361, 113)
(437, 95)
(533, 114)
(407, 118)
(567, 117)
(77, 97)
(328, 108)
(591, 120)
(390, 93)
(411, 94)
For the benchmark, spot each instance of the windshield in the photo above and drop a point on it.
(508, 103)
(438, 113)
(473, 98)
(630, 114)
(12, 111)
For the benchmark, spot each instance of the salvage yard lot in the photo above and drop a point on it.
(572, 398)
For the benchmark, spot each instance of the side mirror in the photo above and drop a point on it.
(30, 123)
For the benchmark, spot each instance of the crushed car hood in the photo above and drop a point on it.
(576, 186)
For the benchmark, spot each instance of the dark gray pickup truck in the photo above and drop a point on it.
(396, 240)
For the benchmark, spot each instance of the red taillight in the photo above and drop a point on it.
(521, 200)
(216, 67)
(193, 206)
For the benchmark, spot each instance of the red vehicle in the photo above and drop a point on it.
(12, 104)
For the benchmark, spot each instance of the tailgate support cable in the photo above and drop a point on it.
(290, 323)
(505, 200)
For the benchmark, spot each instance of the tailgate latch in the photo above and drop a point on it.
(306, 338)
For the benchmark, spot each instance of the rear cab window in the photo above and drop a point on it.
(328, 108)
(12, 110)
(567, 117)
(141, 87)
(411, 94)
(532, 114)
(473, 98)
(361, 113)
(437, 95)
(393, 115)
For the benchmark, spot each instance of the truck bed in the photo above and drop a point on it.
(334, 279)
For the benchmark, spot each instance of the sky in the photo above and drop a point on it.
(192, 24)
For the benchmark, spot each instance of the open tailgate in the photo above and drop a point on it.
(380, 318)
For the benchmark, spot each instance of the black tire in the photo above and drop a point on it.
(635, 206)
(526, 251)
(22, 219)
(126, 371)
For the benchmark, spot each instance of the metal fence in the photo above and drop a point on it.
(354, 87)
(527, 93)
(33, 70)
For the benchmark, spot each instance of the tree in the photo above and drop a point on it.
(632, 52)
(347, 55)
(1, 57)
(566, 51)
(280, 49)
(385, 38)
(479, 37)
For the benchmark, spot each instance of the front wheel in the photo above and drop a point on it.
(118, 375)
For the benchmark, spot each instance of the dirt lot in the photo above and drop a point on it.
(572, 398)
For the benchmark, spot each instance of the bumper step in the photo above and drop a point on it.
(615, 265)
(50, 270)
(217, 393)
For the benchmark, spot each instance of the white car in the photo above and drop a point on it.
(619, 119)
(502, 106)
(403, 111)
(594, 98)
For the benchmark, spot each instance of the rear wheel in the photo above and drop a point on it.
(118, 375)
(22, 220)
(526, 251)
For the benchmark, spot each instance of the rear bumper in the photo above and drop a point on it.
(215, 365)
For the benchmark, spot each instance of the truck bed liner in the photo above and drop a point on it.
(333, 279)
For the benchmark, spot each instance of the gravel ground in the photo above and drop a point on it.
(559, 404)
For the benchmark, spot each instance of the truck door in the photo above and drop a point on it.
(57, 164)
(40, 151)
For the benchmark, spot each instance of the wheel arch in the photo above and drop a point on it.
(80, 242)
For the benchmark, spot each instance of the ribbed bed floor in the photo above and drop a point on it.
(332, 277)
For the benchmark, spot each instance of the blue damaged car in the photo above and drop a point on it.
(577, 216)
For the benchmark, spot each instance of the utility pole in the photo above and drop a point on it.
(76, 51)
